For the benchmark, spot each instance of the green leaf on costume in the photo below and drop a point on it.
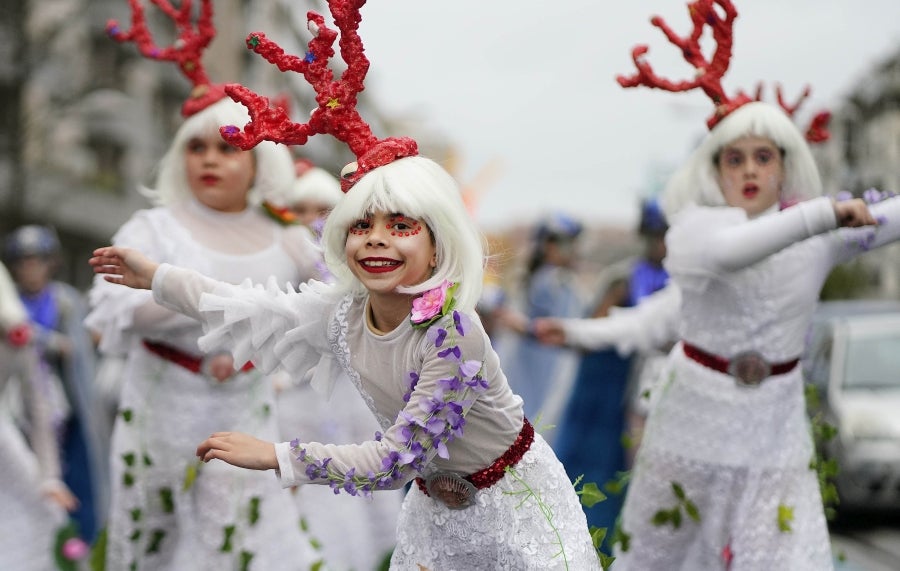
(128, 479)
(127, 415)
(676, 518)
(598, 534)
(692, 511)
(246, 558)
(785, 517)
(606, 561)
(228, 532)
(167, 500)
(191, 471)
(156, 540)
(97, 561)
(678, 491)
(253, 515)
(590, 494)
(136, 514)
(662, 517)
(128, 458)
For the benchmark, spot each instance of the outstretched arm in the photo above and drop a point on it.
(737, 246)
(652, 324)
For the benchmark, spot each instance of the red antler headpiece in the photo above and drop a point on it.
(709, 73)
(186, 51)
(817, 132)
(336, 113)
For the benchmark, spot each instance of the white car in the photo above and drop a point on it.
(853, 358)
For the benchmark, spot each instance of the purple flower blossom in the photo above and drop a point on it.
(872, 196)
(436, 335)
(462, 322)
(469, 369)
(451, 353)
(451, 384)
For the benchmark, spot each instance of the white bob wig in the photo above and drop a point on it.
(419, 188)
(696, 182)
(274, 165)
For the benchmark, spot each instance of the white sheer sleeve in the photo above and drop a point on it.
(264, 324)
(705, 242)
(651, 324)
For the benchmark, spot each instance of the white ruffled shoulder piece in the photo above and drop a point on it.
(274, 327)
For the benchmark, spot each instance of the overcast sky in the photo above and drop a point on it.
(529, 85)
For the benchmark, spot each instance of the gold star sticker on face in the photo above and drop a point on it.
(333, 103)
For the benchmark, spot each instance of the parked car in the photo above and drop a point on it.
(853, 358)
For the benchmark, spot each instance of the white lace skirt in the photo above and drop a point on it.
(741, 456)
(170, 512)
(530, 520)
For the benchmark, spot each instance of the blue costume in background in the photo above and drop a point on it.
(593, 424)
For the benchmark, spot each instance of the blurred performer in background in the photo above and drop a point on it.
(33, 497)
(55, 312)
(166, 511)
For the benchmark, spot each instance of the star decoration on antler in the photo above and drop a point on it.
(336, 112)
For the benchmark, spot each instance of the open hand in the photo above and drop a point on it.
(853, 213)
(239, 449)
(124, 266)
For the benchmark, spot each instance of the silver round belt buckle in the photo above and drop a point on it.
(749, 369)
(454, 491)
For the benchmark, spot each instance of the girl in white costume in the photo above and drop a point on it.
(205, 221)
(167, 511)
(33, 497)
(340, 418)
(723, 479)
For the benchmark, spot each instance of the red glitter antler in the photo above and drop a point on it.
(817, 132)
(186, 51)
(709, 73)
(336, 113)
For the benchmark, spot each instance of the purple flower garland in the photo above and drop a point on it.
(444, 410)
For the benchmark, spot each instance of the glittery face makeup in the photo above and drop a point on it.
(387, 250)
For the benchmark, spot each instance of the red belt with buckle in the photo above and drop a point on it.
(749, 368)
(190, 362)
(495, 472)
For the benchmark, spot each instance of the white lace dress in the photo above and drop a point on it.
(168, 511)
(740, 455)
(529, 520)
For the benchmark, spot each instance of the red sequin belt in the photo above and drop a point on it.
(190, 362)
(492, 474)
(749, 368)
